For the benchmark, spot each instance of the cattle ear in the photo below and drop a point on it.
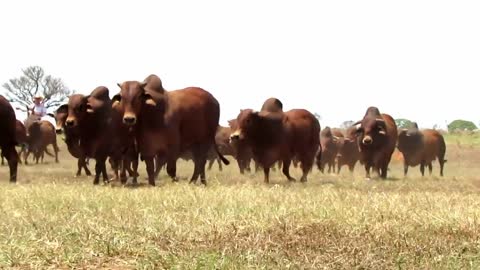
(63, 108)
(116, 100)
(382, 131)
(381, 127)
(149, 100)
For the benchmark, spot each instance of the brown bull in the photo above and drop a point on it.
(88, 118)
(8, 137)
(329, 149)
(421, 147)
(242, 151)
(348, 153)
(21, 139)
(167, 123)
(72, 139)
(124, 155)
(222, 139)
(40, 134)
(280, 137)
(376, 140)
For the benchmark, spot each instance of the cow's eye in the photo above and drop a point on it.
(81, 108)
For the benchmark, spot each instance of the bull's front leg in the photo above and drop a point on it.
(150, 164)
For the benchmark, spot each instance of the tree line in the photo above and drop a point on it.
(34, 81)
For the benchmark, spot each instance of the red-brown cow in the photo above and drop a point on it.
(21, 139)
(242, 151)
(329, 150)
(280, 137)
(89, 117)
(8, 137)
(40, 134)
(167, 123)
(124, 155)
(222, 138)
(421, 147)
(348, 153)
(376, 139)
(72, 139)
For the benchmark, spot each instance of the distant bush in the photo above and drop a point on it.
(403, 123)
(461, 125)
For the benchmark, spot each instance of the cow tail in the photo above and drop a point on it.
(224, 160)
(443, 149)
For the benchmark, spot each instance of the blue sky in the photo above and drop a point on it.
(412, 59)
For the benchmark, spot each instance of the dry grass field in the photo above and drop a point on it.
(51, 220)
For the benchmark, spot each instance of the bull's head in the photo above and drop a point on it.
(98, 100)
(61, 117)
(369, 129)
(246, 119)
(132, 98)
(77, 109)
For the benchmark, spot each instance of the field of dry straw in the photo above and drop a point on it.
(52, 220)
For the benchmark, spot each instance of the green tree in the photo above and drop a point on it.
(403, 123)
(460, 124)
(34, 81)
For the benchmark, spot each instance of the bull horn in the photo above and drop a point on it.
(119, 85)
(382, 132)
(380, 120)
(89, 108)
(143, 84)
(115, 103)
(151, 102)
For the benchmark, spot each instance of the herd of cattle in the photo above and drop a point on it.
(144, 121)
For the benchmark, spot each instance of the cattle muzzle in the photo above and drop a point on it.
(367, 140)
(70, 122)
(129, 120)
